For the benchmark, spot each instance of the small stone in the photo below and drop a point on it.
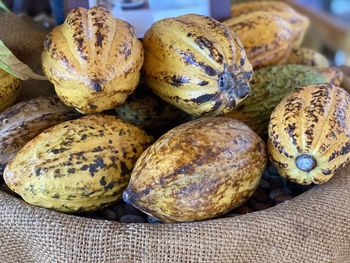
(282, 198)
(264, 184)
(132, 219)
(153, 220)
(260, 206)
(109, 214)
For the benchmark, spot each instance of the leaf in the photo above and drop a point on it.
(14, 66)
(3, 6)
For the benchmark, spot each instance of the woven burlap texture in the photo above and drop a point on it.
(313, 227)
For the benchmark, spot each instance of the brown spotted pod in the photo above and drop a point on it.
(78, 165)
(198, 170)
(93, 60)
(307, 57)
(267, 37)
(309, 134)
(195, 63)
(23, 121)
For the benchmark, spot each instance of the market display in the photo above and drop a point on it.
(194, 101)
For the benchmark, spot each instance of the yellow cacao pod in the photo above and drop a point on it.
(267, 38)
(93, 59)
(298, 22)
(309, 134)
(9, 89)
(195, 63)
(307, 57)
(198, 170)
(78, 165)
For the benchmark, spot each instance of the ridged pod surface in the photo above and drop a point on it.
(195, 63)
(23, 121)
(79, 165)
(307, 57)
(9, 89)
(309, 134)
(298, 22)
(267, 38)
(270, 85)
(93, 59)
(198, 170)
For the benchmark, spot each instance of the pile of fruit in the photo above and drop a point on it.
(173, 128)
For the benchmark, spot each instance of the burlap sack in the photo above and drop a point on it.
(312, 228)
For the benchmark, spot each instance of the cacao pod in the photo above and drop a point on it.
(270, 85)
(298, 22)
(307, 57)
(195, 63)
(23, 121)
(267, 38)
(78, 165)
(9, 89)
(198, 170)
(93, 60)
(309, 134)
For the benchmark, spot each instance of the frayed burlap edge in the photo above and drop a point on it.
(314, 227)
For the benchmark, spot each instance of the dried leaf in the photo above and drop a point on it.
(14, 66)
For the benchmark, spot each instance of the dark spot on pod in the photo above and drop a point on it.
(99, 39)
(56, 196)
(217, 105)
(93, 13)
(83, 137)
(92, 106)
(109, 185)
(121, 132)
(242, 61)
(37, 171)
(110, 141)
(129, 196)
(203, 83)
(93, 168)
(189, 34)
(124, 169)
(178, 80)
(204, 98)
(326, 171)
(48, 41)
(71, 170)
(57, 151)
(242, 90)
(84, 167)
(96, 85)
(97, 149)
(305, 162)
(80, 43)
(102, 181)
(209, 70)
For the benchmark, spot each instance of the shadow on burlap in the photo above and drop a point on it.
(312, 228)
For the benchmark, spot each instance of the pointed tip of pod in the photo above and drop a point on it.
(306, 162)
(127, 196)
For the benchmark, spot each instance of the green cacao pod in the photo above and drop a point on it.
(78, 165)
(9, 89)
(270, 85)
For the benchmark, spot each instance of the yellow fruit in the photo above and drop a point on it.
(23, 121)
(198, 170)
(309, 134)
(307, 57)
(93, 59)
(78, 165)
(9, 89)
(267, 38)
(195, 63)
(298, 22)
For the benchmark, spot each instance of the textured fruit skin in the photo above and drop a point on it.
(307, 57)
(267, 37)
(147, 110)
(78, 165)
(198, 170)
(313, 120)
(269, 86)
(333, 75)
(9, 89)
(195, 63)
(93, 59)
(298, 22)
(23, 121)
